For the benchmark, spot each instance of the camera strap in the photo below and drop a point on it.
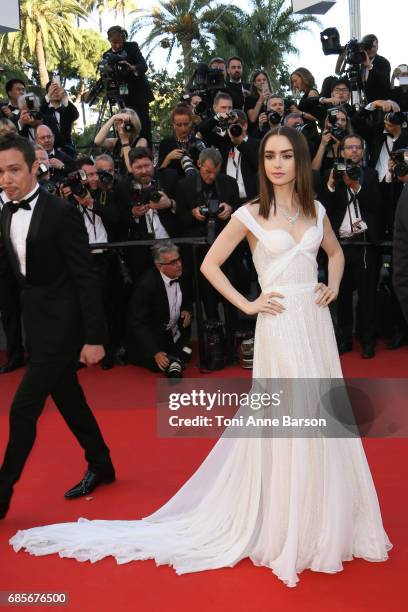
(91, 217)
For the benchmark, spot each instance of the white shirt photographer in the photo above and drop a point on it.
(234, 169)
(382, 165)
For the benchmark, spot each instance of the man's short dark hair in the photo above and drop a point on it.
(139, 153)
(84, 161)
(216, 59)
(10, 84)
(369, 39)
(339, 82)
(234, 57)
(222, 96)
(14, 141)
(242, 117)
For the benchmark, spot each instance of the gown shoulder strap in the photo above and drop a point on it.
(243, 215)
(321, 211)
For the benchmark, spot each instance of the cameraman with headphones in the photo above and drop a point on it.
(139, 93)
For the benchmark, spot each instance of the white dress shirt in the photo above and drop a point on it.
(234, 169)
(63, 103)
(382, 164)
(20, 224)
(174, 296)
(94, 226)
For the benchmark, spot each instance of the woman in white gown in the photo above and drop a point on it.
(286, 503)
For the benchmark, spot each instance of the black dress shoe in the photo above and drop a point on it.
(89, 482)
(108, 362)
(5, 505)
(368, 350)
(396, 341)
(346, 346)
(11, 365)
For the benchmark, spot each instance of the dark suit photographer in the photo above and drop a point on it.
(173, 148)
(400, 249)
(376, 71)
(336, 126)
(57, 106)
(160, 314)
(234, 85)
(275, 110)
(353, 205)
(214, 129)
(205, 201)
(139, 93)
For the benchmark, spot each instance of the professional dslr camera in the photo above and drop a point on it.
(105, 178)
(111, 68)
(210, 211)
(141, 197)
(175, 367)
(206, 80)
(274, 118)
(188, 160)
(400, 159)
(45, 183)
(33, 106)
(75, 181)
(334, 130)
(341, 167)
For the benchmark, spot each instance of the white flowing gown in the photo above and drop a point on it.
(286, 503)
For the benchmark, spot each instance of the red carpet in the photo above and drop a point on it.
(149, 471)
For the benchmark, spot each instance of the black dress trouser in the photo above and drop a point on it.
(58, 378)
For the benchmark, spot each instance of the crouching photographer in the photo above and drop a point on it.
(160, 313)
(353, 201)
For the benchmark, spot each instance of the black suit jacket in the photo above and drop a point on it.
(236, 93)
(140, 92)
(61, 301)
(377, 86)
(189, 195)
(369, 200)
(149, 314)
(400, 251)
(249, 164)
(68, 114)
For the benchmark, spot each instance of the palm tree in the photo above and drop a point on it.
(45, 24)
(99, 5)
(175, 23)
(124, 7)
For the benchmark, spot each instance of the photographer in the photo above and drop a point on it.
(15, 88)
(376, 71)
(139, 93)
(56, 105)
(173, 148)
(275, 110)
(309, 130)
(29, 117)
(234, 85)
(58, 160)
(160, 313)
(214, 129)
(148, 197)
(44, 170)
(353, 205)
(340, 95)
(400, 250)
(126, 124)
(303, 82)
(240, 157)
(336, 126)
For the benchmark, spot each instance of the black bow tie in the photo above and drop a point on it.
(24, 204)
(175, 280)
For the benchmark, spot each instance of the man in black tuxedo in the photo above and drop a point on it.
(160, 314)
(56, 105)
(234, 85)
(14, 89)
(60, 162)
(376, 71)
(45, 245)
(353, 207)
(139, 92)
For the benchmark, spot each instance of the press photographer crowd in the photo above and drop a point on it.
(175, 196)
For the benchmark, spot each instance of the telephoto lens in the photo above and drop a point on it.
(235, 130)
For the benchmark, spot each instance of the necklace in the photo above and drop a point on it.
(290, 218)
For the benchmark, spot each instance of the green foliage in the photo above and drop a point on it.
(167, 90)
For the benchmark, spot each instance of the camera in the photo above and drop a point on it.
(400, 159)
(128, 127)
(334, 129)
(187, 161)
(205, 80)
(111, 68)
(105, 178)
(352, 170)
(211, 210)
(274, 118)
(397, 118)
(141, 197)
(226, 119)
(33, 106)
(188, 165)
(45, 183)
(74, 180)
(175, 367)
(235, 130)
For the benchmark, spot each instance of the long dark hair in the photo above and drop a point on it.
(303, 180)
(253, 89)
